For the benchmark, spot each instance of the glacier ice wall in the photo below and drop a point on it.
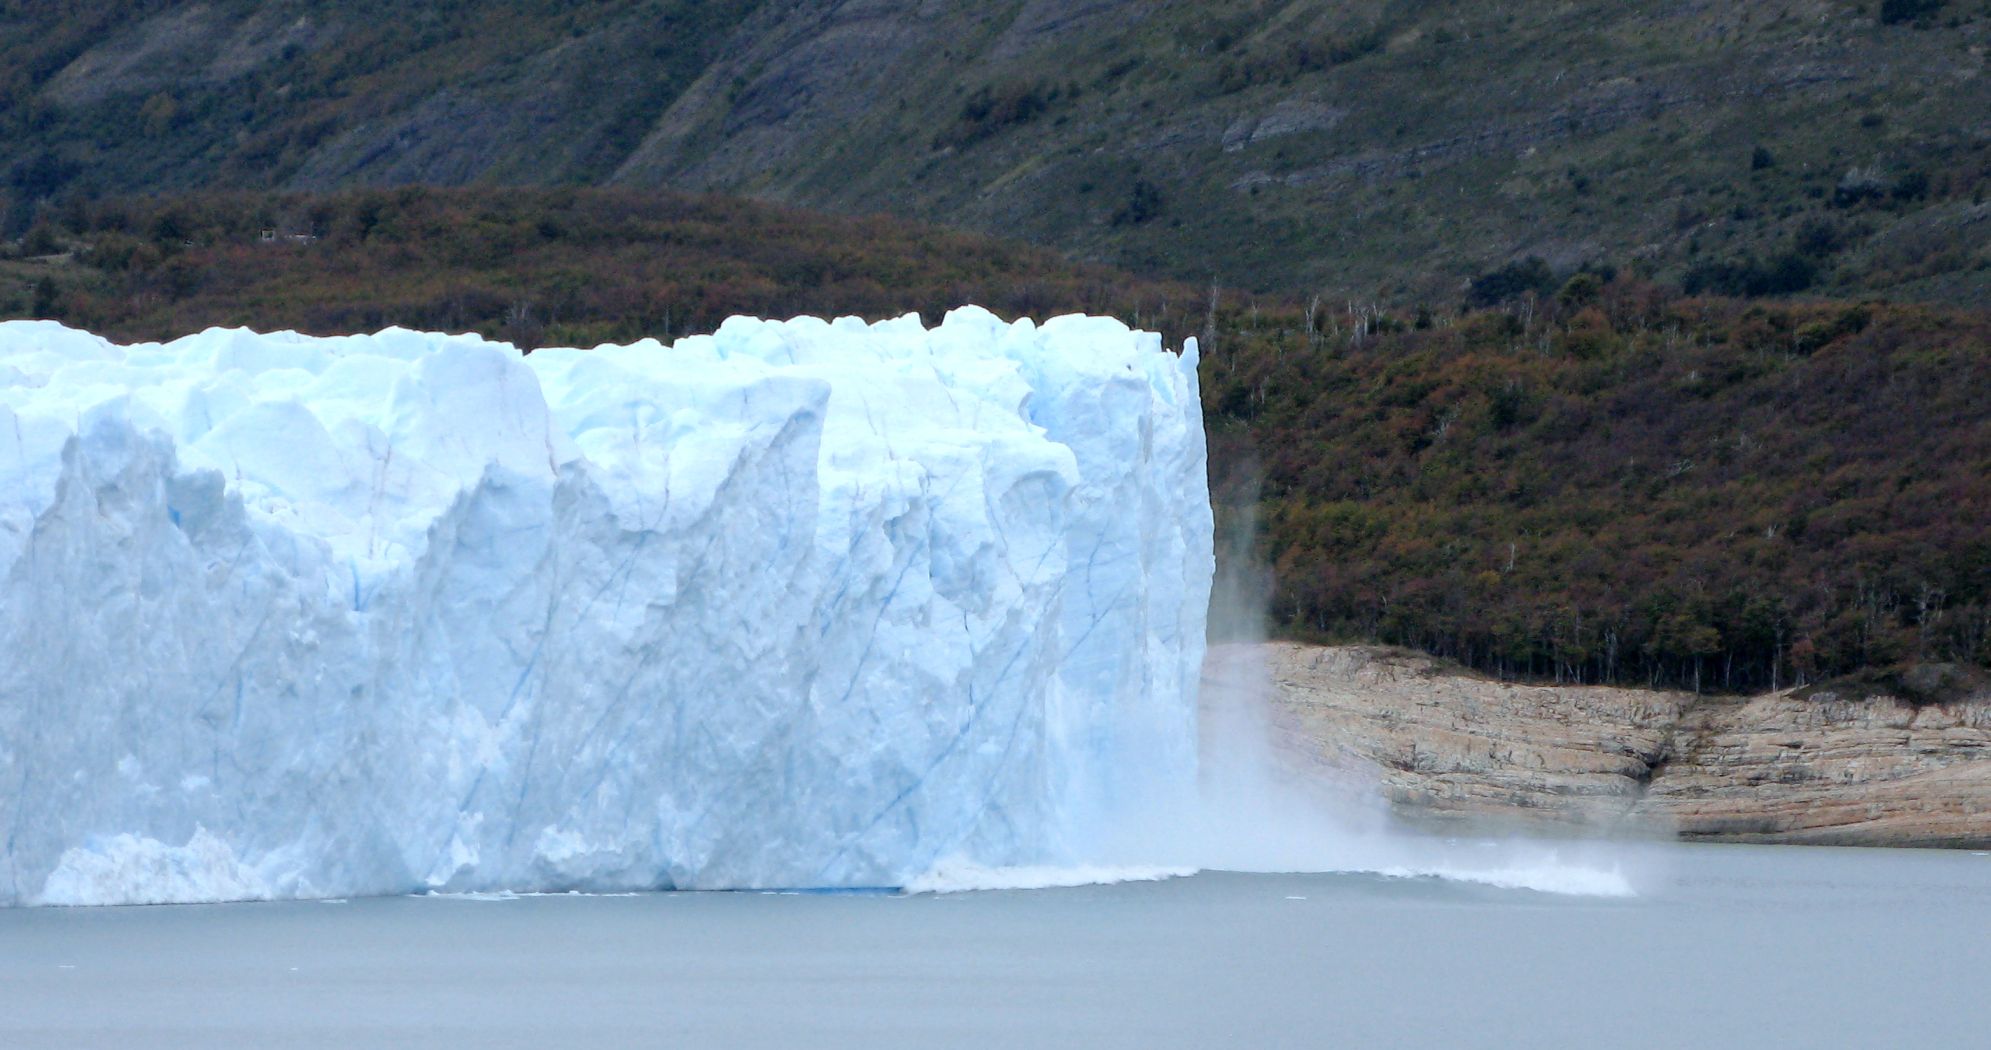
(794, 604)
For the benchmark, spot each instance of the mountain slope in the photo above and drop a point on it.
(1370, 149)
(574, 267)
(161, 95)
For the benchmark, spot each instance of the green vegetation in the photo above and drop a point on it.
(534, 267)
(1616, 483)
(1382, 150)
(1589, 478)
(157, 95)
(1895, 12)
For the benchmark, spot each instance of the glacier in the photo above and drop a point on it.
(795, 604)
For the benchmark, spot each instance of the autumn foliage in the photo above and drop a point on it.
(1620, 484)
(541, 267)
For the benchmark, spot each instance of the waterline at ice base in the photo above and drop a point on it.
(797, 604)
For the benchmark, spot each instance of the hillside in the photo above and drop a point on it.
(1608, 483)
(1386, 151)
(1619, 484)
(533, 267)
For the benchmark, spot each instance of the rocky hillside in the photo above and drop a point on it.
(1458, 751)
(1381, 148)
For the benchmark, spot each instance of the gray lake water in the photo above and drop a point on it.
(1723, 946)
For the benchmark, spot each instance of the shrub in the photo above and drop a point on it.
(1748, 276)
(1912, 186)
(40, 240)
(1143, 203)
(1579, 291)
(1895, 12)
(1511, 282)
(1819, 238)
(47, 303)
(993, 108)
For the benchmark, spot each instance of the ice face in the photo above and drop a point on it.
(793, 604)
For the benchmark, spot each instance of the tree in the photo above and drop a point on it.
(1143, 203)
(1511, 282)
(46, 305)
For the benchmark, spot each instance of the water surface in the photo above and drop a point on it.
(1723, 946)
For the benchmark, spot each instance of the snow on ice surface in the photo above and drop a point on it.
(794, 604)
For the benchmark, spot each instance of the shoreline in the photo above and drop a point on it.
(1448, 750)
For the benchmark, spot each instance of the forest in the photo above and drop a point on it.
(1620, 483)
(1582, 476)
(534, 267)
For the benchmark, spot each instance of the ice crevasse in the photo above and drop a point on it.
(799, 603)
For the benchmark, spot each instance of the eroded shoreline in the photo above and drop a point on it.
(1453, 750)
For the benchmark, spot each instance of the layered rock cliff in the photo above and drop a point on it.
(1450, 749)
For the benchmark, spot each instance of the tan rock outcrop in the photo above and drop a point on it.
(1825, 770)
(1451, 748)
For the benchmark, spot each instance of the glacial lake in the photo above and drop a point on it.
(1722, 946)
